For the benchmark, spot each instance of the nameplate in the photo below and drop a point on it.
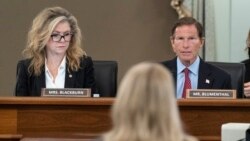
(66, 92)
(211, 93)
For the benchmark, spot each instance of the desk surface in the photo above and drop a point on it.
(109, 101)
(34, 115)
(54, 101)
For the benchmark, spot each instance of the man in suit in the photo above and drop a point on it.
(186, 40)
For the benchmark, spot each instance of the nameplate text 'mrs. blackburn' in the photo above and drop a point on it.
(66, 92)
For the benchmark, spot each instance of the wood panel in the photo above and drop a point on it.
(34, 115)
(204, 118)
(37, 115)
(8, 120)
(87, 119)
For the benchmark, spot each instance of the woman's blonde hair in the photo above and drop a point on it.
(145, 108)
(40, 33)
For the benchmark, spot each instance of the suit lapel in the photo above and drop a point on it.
(173, 68)
(70, 77)
(205, 81)
(42, 79)
(39, 82)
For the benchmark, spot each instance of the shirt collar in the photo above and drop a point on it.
(194, 68)
(62, 65)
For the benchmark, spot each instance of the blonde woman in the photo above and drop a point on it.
(53, 55)
(145, 108)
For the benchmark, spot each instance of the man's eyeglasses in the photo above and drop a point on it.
(56, 37)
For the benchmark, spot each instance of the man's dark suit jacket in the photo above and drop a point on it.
(30, 85)
(218, 79)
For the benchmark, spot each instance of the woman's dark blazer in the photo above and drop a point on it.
(30, 85)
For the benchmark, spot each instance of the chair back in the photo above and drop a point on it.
(106, 77)
(237, 73)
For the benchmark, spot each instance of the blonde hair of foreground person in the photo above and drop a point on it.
(145, 108)
(40, 33)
